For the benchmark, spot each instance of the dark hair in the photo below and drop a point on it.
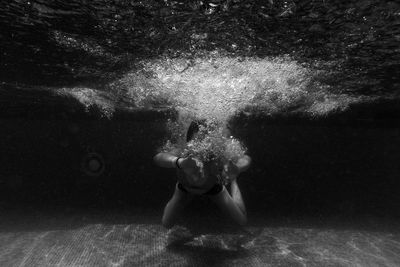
(194, 128)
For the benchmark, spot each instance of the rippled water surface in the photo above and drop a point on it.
(207, 60)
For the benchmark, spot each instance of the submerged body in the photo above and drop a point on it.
(204, 177)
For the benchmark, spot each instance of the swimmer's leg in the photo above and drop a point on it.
(175, 206)
(233, 205)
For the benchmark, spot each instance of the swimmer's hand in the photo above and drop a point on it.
(231, 171)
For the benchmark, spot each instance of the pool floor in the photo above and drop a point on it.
(112, 239)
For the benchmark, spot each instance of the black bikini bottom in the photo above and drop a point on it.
(217, 188)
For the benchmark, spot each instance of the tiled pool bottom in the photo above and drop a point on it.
(139, 240)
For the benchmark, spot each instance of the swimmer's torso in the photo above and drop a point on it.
(199, 187)
(212, 171)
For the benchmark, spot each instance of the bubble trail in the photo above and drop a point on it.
(215, 88)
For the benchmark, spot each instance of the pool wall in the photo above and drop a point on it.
(346, 163)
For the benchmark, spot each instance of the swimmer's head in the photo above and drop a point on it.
(209, 141)
(194, 129)
(202, 128)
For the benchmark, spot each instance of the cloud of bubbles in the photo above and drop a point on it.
(215, 88)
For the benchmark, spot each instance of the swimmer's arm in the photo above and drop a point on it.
(166, 160)
(243, 163)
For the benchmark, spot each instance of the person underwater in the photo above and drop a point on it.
(204, 174)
